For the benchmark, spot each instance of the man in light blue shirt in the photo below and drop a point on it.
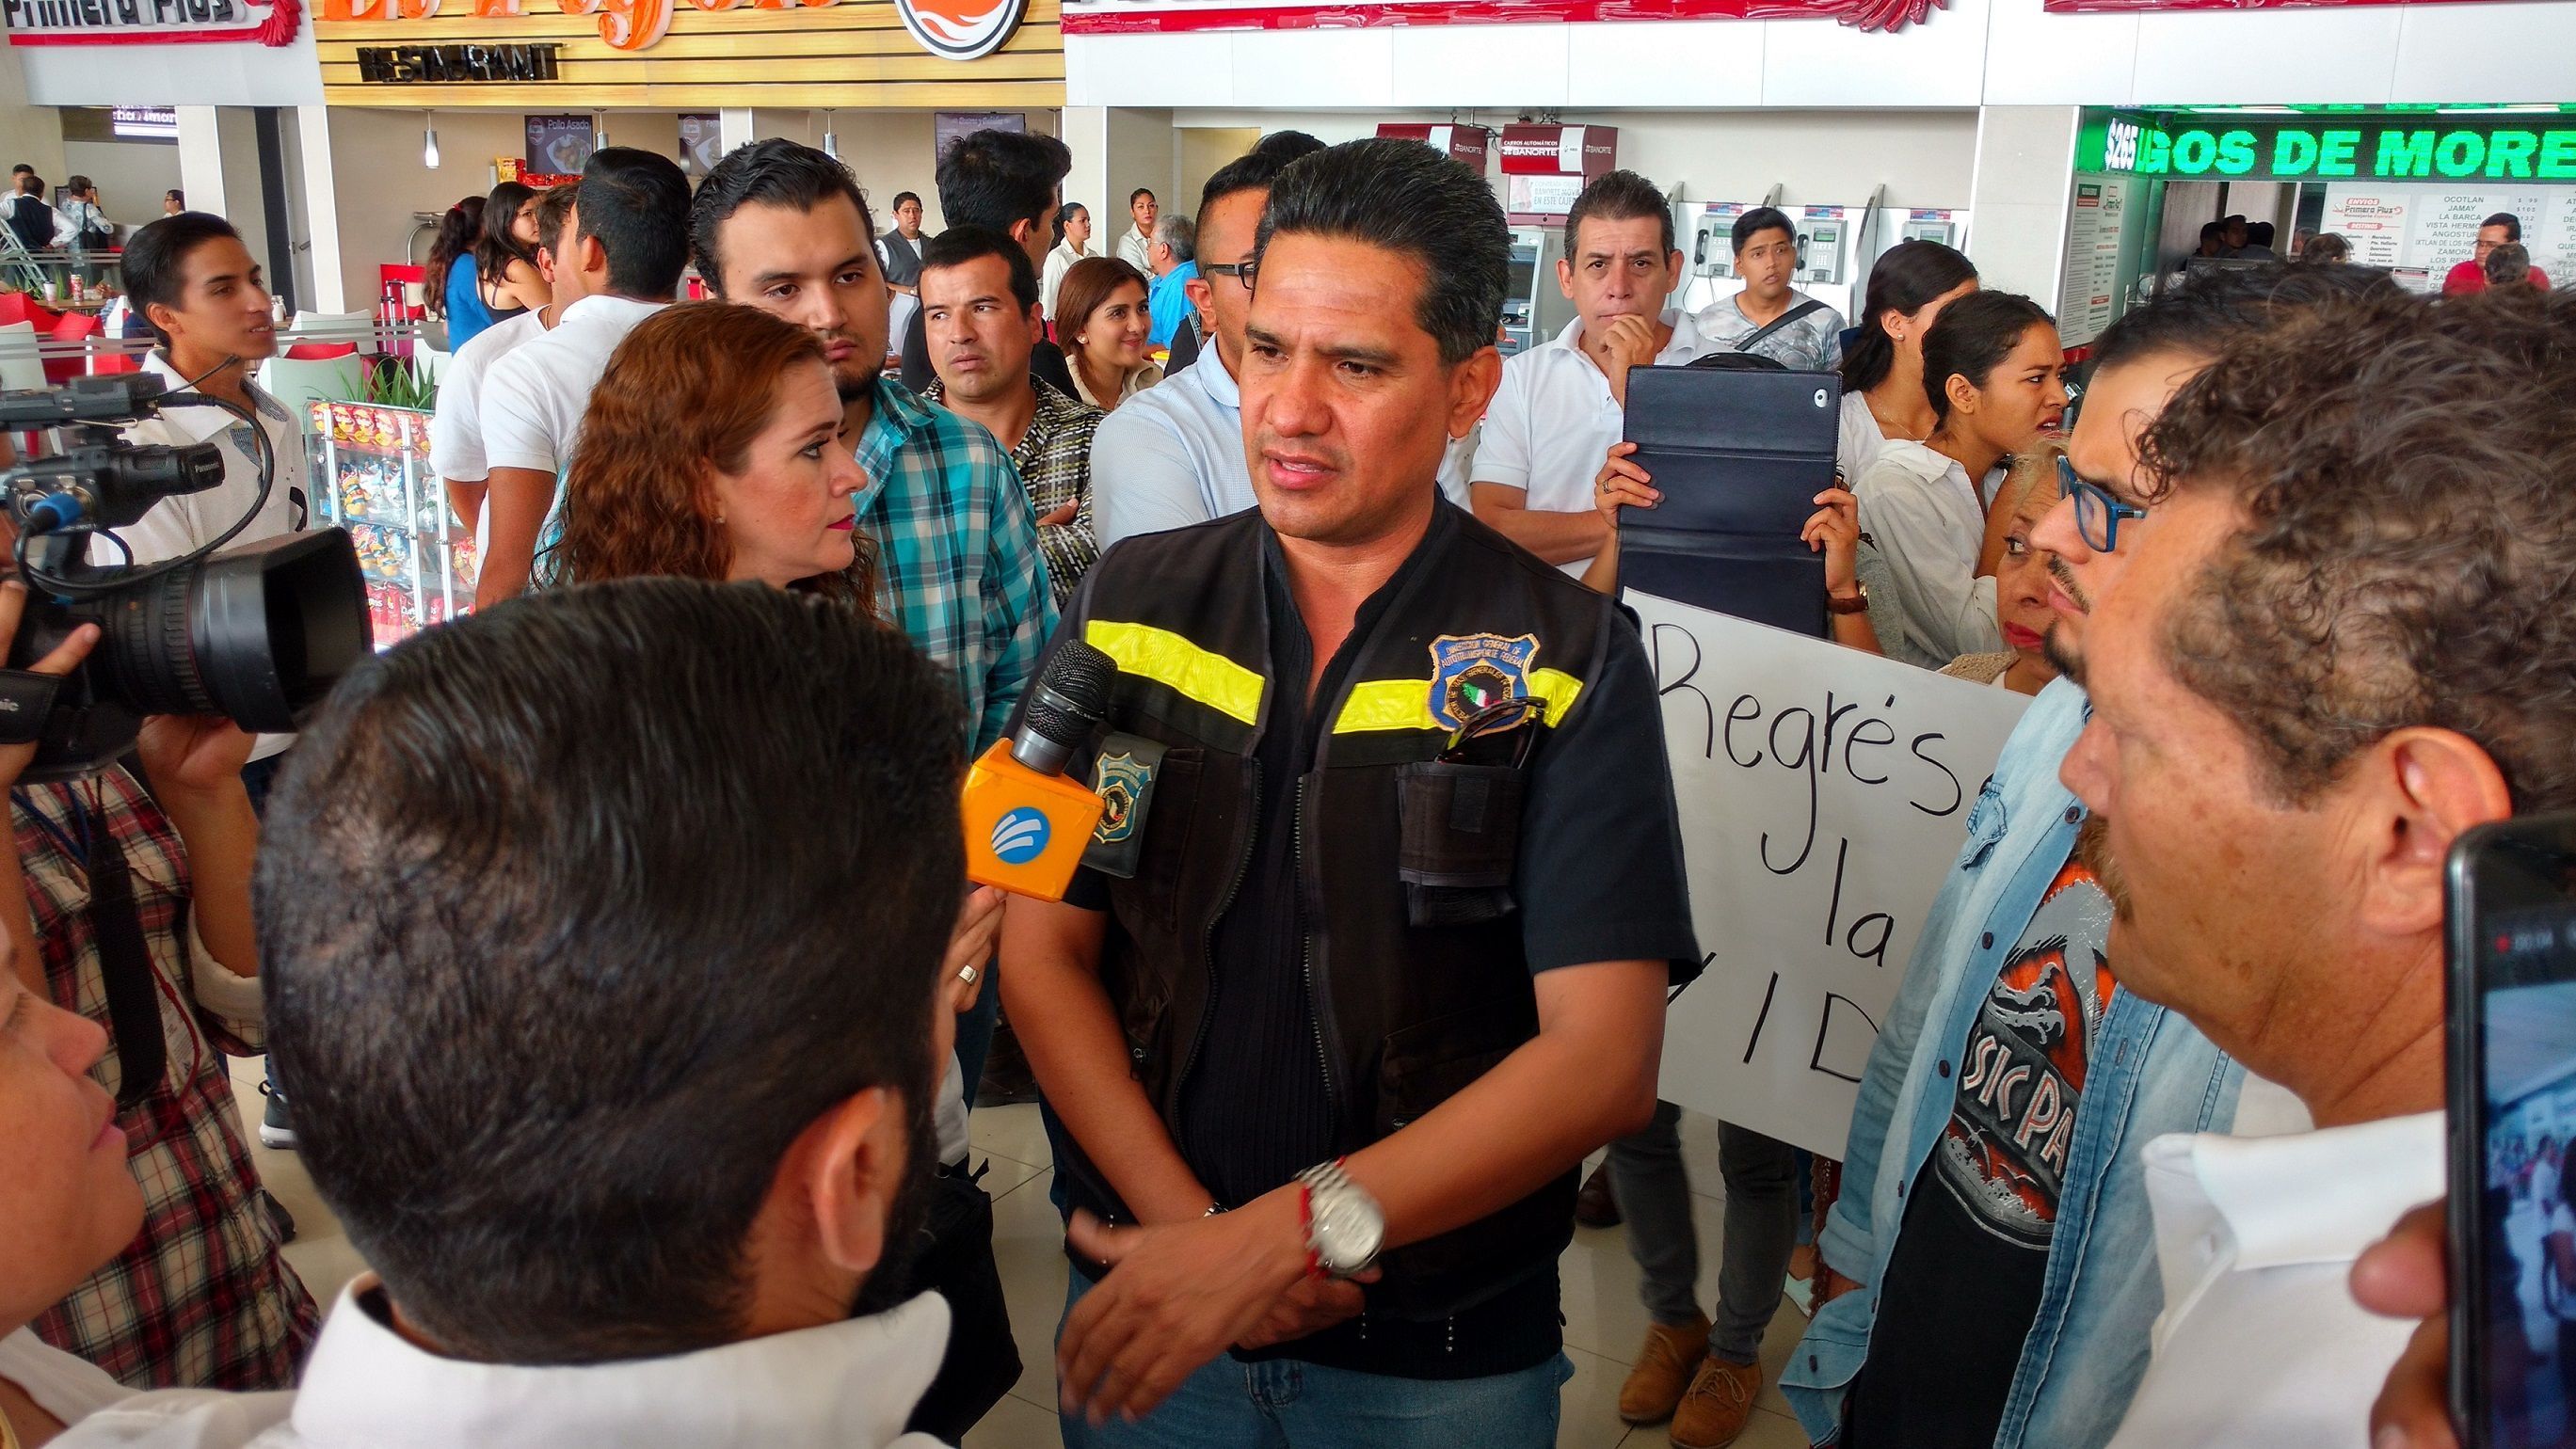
(1172, 455)
(1950, 1314)
(1174, 255)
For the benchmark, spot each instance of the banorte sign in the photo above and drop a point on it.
(950, 29)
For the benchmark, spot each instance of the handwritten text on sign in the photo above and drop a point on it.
(1824, 795)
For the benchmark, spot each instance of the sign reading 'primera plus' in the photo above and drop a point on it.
(149, 22)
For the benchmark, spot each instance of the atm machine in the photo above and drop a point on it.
(1544, 168)
(1535, 308)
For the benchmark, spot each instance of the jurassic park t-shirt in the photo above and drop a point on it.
(1963, 1283)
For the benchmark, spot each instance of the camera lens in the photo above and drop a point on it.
(256, 633)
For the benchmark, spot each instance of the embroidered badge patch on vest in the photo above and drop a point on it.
(1472, 671)
(1121, 781)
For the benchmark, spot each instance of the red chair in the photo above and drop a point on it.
(321, 351)
(108, 364)
(19, 307)
(70, 327)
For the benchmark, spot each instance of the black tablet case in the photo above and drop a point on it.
(1739, 457)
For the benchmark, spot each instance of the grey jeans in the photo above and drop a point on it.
(1653, 1188)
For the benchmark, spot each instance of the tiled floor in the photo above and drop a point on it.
(1604, 1322)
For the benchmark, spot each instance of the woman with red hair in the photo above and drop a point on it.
(712, 450)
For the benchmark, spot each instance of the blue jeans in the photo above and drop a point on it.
(975, 1034)
(1283, 1404)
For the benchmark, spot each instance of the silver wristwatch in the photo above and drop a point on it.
(1344, 1225)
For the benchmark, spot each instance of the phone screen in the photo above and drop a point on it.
(2513, 933)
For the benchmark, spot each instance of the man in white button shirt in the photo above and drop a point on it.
(192, 279)
(1549, 432)
(1172, 455)
(2343, 644)
(624, 1096)
(456, 430)
(630, 244)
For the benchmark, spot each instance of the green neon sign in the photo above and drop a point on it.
(2416, 149)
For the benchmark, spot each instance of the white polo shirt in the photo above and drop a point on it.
(533, 398)
(1553, 420)
(456, 429)
(177, 525)
(2260, 1341)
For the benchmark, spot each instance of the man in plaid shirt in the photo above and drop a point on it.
(202, 1297)
(979, 300)
(783, 227)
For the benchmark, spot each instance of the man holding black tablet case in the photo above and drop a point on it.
(1561, 405)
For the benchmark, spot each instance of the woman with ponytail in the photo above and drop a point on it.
(1883, 368)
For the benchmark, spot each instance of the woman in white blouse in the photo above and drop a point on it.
(1993, 374)
(1072, 244)
(1883, 368)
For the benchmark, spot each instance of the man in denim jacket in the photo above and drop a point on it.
(2012, 1086)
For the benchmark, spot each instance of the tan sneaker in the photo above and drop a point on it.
(1663, 1371)
(1718, 1406)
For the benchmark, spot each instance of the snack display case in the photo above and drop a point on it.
(371, 466)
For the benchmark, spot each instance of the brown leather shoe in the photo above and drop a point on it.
(1594, 1207)
(1663, 1371)
(1718, 1406)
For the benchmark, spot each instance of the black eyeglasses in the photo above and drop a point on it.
(2097, 511)
(1241, 271)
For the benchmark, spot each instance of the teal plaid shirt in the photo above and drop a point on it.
(958, 567)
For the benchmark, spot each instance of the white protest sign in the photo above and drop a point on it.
(1824, 795)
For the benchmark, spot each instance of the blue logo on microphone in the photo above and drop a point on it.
(1020, 836)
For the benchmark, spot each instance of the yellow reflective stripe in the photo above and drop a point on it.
(1168, 659)
(1387, 704)
(1558, 688)
(1405, 704)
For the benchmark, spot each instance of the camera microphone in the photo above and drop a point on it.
(1026, 824)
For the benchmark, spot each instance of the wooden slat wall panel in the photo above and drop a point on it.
(852, 55)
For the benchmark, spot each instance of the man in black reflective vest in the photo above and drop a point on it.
(1372, 946)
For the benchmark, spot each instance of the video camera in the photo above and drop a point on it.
(256, 634)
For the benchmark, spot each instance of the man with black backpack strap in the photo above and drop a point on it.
(1770, 317)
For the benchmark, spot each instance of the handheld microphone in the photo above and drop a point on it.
(1026, 824)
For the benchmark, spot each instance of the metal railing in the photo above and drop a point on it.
(371, 336)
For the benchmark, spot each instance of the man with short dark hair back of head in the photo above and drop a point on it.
(1013, 183)
(1432, 1087)
(977, 301)
(2345, 644)
(624, 1095)
(630, 244)
(1173, 454)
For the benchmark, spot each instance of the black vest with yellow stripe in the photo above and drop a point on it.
(1407, 843)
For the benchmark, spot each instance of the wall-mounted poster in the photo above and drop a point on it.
(952, 126)
(701, 146)
(560, 145)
